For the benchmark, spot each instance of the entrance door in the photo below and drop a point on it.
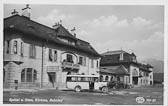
(150, 82)
(91, 85)
(135, 80)
(51, 76)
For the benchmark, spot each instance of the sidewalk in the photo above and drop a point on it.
(33, 90)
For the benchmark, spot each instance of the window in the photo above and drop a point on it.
(8, 44)
(121, 56)
(21, 49)
(3, 75)
(111, 78)
(106, 78)
(55, 55)
(71, 42)
(97, 64)
(68, 78)
(23, 75)
(69, 58)
(147, 74)
(134, 59)
(50, 55)
(32, 51)
(92, 63)
(15, 47)
(28, 75)
(118, 78)
(82, 61)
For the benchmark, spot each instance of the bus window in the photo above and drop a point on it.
(92, 79)
(101, 78)
(82, 79)
(96, 79)
(78, 79)
(68, 78)
(73, 79)
(86, 79)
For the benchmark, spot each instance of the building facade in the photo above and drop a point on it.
(125, 68)
(39, 56)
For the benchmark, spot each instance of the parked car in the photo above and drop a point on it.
(118, 85)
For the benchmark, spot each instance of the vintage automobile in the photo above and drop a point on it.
(118, 85)
(87, 82)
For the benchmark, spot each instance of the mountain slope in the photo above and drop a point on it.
(157, 64)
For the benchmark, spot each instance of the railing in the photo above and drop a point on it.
(140, 74)
(70, 65)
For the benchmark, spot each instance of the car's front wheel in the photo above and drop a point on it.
(77, 88)
(104, 89)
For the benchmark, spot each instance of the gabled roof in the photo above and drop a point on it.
(117, 70)
(62, 32)
(32, 28)
(121, 70)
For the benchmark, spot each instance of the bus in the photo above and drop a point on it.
(88, 82)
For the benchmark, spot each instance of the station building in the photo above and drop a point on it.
(38, 56)
(122, 66)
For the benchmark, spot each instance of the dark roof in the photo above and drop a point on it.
(145, 67)
(109, 58)
(32, 28)
(113, 52)
(121, 70)
(117, 70)
(62, 32)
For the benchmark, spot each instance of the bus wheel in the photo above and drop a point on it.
(105, 89)
(77, 88)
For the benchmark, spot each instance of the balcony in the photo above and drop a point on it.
(68, 65)
(11, 57)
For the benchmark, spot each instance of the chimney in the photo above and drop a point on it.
(56, 25)
(121, 55)
(14, 12)
(26, 11)
(73, 31)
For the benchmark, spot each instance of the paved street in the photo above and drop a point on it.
(151, 95)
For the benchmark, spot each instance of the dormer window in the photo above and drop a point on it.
(134, 59)
(121, 56)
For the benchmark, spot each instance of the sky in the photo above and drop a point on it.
(132, 28)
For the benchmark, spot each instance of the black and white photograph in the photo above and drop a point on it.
(83, 54)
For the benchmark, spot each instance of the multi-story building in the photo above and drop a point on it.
(123, 66)
(39, 56)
